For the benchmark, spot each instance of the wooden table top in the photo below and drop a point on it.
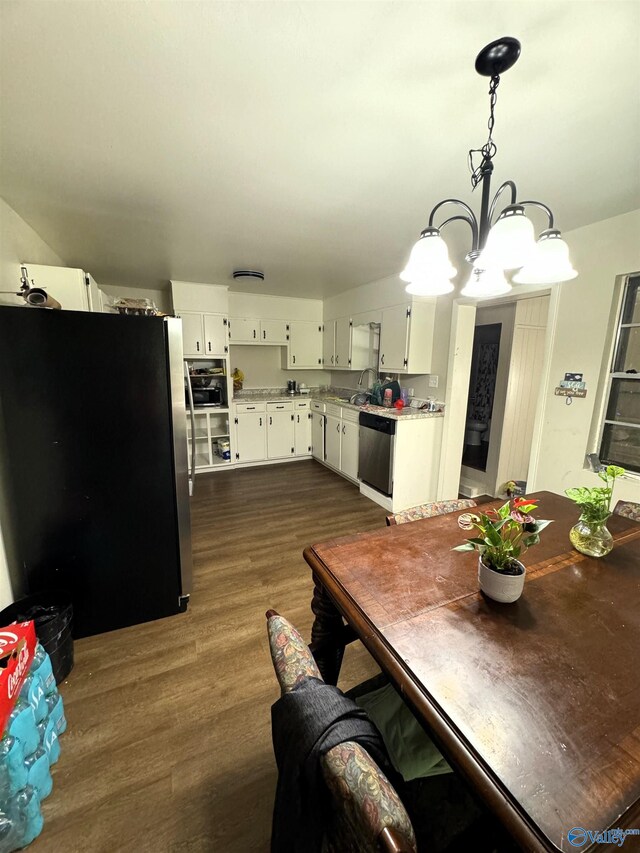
(538, 702)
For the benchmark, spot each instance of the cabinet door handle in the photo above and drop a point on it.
(279, 407)
(260, 421)
(338, 427)
(209, 345)
(251, 408)
(382, 359)
(264, 335)
(337, 359)
(294, 359)
(331, 359)
(343, 429)
(254, 334)
(298, 421)
(270, 421)
(198, 346)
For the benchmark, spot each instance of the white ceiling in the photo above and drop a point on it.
(153, 140)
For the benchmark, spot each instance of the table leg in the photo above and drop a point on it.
(327, 634)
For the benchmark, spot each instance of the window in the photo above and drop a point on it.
(620, 443)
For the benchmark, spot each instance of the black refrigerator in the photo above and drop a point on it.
(93, 458)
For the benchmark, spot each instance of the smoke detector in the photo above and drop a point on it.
(248, 275)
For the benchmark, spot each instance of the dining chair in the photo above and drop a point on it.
(628, 509)
(368, 815)
(415, 513)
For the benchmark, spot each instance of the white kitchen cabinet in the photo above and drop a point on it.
(74, 289)
(336, 344)
(203, 334)
(253, 331)
(302, 432)
(317, 434)
(251, 437)
(406, 338)
(329, 343)
(273, 331)
(332, 441)
(349, 444)
(192, 335)
(215, 334)
(343, 343)
(305, 345)
(280, 434)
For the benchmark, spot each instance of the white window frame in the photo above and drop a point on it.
(630, 280)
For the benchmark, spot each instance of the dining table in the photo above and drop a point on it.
(535, 703)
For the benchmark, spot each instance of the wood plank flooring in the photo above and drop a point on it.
(169, 743)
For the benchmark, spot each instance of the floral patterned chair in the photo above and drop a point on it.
(429, 510)
(368, 815)
(628, 509)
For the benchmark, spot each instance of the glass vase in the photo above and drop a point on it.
(591, 537)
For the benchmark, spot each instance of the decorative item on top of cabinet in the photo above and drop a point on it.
(406, 338)
(204, 334)
(305, 345)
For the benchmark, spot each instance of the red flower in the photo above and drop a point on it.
(518, 502)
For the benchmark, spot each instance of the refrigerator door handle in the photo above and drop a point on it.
(192, 416)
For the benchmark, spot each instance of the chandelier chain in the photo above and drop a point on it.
(489, 149)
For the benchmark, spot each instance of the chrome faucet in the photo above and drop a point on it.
(367, 370)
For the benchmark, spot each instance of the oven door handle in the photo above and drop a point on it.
(192, 473)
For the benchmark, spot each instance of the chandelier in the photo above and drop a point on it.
(500, 241)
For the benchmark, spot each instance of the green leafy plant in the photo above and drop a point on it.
(504, 533)
(595, 501)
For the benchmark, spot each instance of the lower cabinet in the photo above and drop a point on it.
(317, 434)
(272, 430)
(342, 440)
(251, 437)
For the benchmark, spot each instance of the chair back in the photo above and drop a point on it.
(415, 513)
(368, 815)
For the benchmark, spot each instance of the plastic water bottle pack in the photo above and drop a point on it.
(28, 748)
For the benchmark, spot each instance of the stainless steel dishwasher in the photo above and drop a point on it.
(375, 458)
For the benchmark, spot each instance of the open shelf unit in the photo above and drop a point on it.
(212, 425)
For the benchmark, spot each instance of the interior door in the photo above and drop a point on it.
(192, 339)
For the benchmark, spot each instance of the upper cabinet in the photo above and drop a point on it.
(406, 338)
(204, 334)
(74, 289)
(243, 331)
(305, 345)
(336, 344)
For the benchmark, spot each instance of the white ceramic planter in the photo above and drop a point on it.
(498, 586)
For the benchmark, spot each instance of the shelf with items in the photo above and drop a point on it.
(212, 427)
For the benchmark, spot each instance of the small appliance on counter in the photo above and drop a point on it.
(208, 387)
(292, 387)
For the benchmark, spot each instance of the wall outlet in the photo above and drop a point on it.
(433, 381)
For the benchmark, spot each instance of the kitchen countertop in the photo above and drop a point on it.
(405, 414)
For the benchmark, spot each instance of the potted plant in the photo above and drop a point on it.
(590, 535)
(503, 535)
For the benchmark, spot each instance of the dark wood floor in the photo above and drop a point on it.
(168, 746)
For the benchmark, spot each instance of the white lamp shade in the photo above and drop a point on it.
(429, 258)
(432, 286)
(485, 283)
(511, 241)
(550, 263)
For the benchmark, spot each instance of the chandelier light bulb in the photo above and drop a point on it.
(485, 283)
(432, 286)
(511, 241)
(550, 263)
(429, 258)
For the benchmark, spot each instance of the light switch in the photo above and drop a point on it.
(433, 381)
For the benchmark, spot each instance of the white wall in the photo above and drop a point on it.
(19, 244)
(262, 368)
(579, 319)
